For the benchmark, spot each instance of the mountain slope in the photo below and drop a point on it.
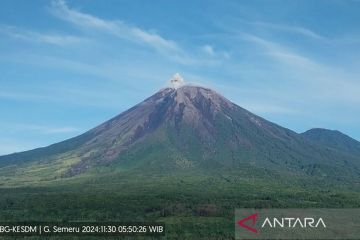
(333, 139)
(184, 129)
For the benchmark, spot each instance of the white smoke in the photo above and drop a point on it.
(177, 81)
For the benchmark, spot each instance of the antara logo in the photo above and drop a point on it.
(287, 222)
(253, 218)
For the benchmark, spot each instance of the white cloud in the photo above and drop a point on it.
(288, 28)
(325, 83)
(166, 47)
(20, 96)
(46, 129)
(61, 10)
(281, 53)
(154, 40)
(49, 38)
(208, 49)
(118, 28)
(280, 29)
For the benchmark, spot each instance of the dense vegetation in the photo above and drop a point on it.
(193, 206)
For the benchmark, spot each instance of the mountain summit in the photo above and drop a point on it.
(183, 128)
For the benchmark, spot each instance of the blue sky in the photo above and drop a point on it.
(67, 66)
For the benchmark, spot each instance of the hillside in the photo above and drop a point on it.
(333, 139)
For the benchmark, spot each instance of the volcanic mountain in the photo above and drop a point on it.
(187, 128)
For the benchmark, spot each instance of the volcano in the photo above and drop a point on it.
(188, 128)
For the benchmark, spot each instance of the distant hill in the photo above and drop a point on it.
(333, 139)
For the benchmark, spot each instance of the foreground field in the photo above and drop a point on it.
(193, 207)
